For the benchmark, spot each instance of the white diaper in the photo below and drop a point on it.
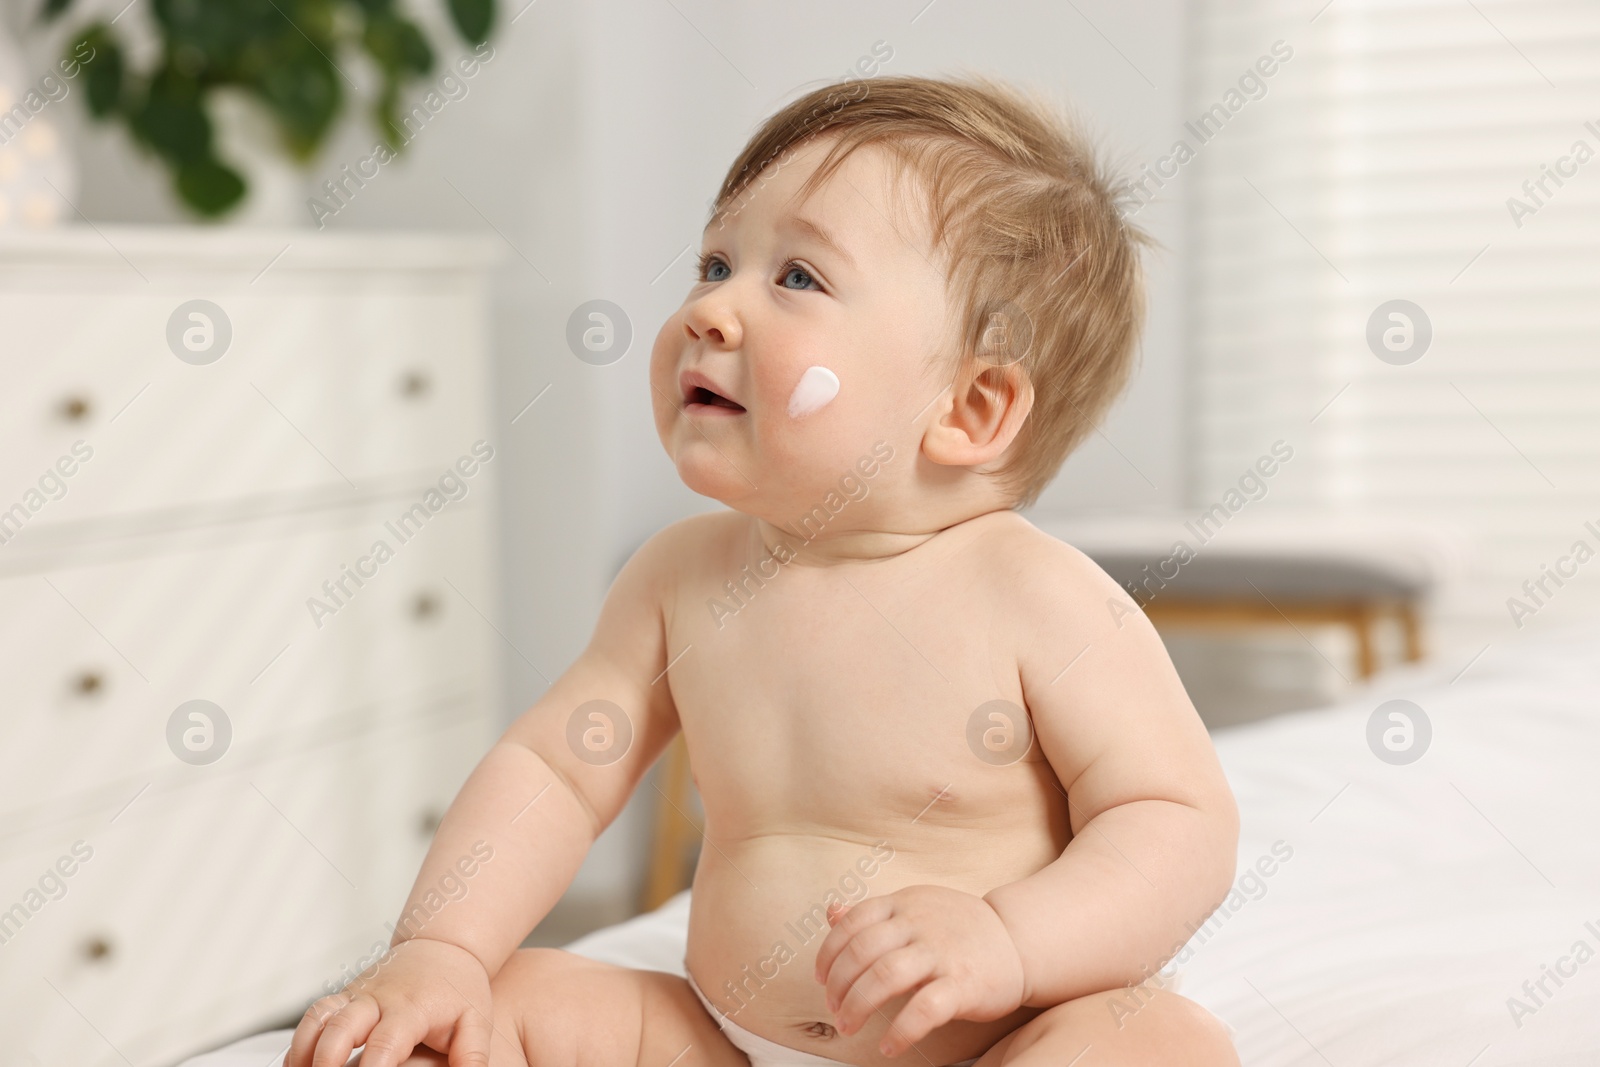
(764, 1053)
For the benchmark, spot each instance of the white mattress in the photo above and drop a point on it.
(1418, 898)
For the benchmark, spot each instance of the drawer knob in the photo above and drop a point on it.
(425, 606)
(415, 385)
(88, 683)
(96, 948)
(75, 408)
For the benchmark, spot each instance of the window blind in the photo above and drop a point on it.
(1440, 152)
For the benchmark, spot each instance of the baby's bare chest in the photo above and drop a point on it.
(845, 697)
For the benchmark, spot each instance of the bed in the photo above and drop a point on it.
(1425, 913)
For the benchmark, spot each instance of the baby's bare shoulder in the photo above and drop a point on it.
(680, 554)
(1056, 600)
(1042, 573)
(697, 536)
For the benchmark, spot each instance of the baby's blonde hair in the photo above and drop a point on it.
(1030, 225)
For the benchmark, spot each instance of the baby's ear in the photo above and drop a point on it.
(980, 415)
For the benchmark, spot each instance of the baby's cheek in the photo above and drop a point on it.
(815, 390)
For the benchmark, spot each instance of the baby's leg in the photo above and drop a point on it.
(556, 1009)
(1167, 1030)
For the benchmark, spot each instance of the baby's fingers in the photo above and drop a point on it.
(864, 952)
(343, 1031)
(310, 1028)
(469, 1047)
(401, 1029)
(845, 921)
(933, 1006)
(393, 1039)
(892, 974)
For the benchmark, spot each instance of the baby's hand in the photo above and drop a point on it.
(949, 946)
(423, 991)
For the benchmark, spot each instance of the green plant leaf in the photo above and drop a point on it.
(473, 18)
(386, 114)
(398, 45)
(220, 31)
(171, 120)
(305, 95)
(50, 10)
(102, 73)
(209, 186)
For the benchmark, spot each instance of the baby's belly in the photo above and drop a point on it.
(758, 918)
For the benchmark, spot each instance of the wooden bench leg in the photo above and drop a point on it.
(673, 829)
(1411, 627)
(1361, 620)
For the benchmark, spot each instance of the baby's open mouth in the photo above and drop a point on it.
(701, 395)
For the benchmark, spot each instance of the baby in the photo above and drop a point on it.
(958, 806)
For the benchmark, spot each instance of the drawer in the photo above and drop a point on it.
(219, 906)
(337, 386)
(100, 656)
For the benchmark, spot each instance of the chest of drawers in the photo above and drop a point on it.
(254, 470)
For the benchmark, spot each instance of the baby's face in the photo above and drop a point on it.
(742, 374)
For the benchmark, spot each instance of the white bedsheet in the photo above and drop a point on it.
(1417, 900)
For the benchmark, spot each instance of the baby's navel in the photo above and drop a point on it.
(819, 1029)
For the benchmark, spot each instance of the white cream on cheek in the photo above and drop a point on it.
(816, 387)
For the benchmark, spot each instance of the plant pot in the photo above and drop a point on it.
(247, 139)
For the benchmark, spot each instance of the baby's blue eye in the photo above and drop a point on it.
(792, 269)
(708, 260)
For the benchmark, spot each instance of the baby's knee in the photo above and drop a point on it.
(1172, 1029)
(537, 965)
(547, 1002)
(542, 978)
(1191, 1027)
(1160, 1028)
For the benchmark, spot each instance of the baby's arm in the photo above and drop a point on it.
(1155, 827)
(539, 807)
